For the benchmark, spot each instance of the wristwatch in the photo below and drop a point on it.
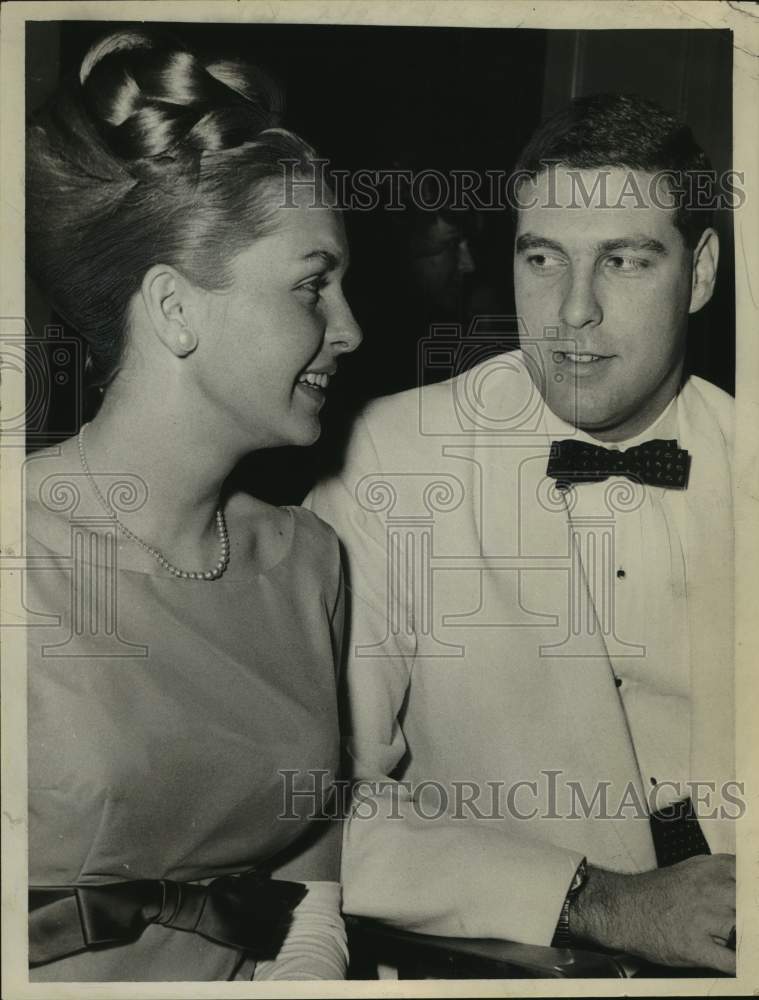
(562, 938)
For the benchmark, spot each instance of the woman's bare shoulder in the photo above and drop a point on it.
(258, 530)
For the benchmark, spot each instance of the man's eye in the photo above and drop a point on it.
(544, 261)
(436, 250)
(626, 264)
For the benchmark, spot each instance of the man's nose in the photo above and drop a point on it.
(580, 306)
(343, 332)
(465, 262)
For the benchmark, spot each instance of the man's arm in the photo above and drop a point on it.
(452, 876)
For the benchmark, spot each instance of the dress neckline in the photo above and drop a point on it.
(130, 558)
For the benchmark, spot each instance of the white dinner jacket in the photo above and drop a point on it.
(478, 662)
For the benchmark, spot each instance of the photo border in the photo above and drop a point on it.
(743, 20)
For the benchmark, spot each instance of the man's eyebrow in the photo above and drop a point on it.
(633, 243)
(529, 241)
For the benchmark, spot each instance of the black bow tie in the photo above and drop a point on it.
(655, 463)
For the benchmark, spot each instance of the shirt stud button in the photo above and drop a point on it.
(621, 574)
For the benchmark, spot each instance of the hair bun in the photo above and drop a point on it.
(116, 179)
(120, 41)
(152, 98)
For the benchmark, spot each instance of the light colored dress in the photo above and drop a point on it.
(172, 760)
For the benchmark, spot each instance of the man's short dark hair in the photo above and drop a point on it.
(626, 130)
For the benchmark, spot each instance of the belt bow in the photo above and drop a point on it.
(249, 912)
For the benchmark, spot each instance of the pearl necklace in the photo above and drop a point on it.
(221, 526)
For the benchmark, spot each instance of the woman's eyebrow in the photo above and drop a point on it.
(331, 259)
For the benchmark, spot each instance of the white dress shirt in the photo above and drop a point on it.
(650, 657)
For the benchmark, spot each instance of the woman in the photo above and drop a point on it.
(182, 711)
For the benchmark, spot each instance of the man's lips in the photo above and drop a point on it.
(579, 357)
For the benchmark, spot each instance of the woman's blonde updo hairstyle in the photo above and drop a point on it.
(152, 155)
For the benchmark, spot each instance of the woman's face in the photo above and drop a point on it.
(271, 341)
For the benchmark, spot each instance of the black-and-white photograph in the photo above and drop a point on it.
(378, 497)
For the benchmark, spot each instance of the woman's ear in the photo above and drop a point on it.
(704, 273)
(164, 293)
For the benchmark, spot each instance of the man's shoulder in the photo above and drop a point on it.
(714, 403)
(476, 399)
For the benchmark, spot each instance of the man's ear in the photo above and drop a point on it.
(163, 292)
(704, 273)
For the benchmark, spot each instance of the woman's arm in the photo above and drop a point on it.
(315, 946)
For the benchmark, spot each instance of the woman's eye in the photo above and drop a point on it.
(314, 286)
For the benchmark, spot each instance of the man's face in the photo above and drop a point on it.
(604, 292)
(440, 257)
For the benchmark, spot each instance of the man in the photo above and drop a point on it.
(540, 662)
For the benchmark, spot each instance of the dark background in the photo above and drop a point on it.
(371, 97)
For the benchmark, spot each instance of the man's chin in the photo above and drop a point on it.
(607, 428)
(594, 420)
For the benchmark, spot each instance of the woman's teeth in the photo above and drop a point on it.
(319, 379)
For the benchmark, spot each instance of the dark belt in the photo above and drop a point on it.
(248, 912)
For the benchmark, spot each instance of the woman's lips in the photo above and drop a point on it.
(314, 383)
(315, 392)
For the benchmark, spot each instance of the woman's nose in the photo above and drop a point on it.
(344, 333)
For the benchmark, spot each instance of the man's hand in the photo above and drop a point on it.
(681, 915)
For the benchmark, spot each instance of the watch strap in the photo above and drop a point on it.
(562, 937)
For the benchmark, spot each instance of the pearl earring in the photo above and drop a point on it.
(187, 341)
